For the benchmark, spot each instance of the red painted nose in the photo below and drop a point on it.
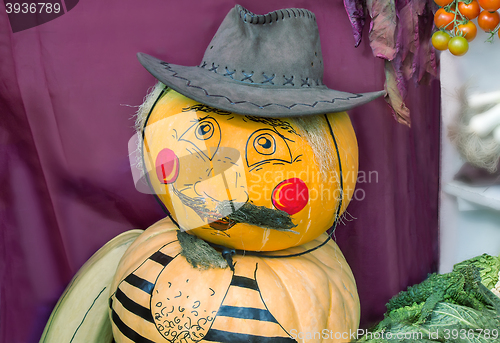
(290, 195)
(167, 166)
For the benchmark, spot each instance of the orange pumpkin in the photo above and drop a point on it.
(158, 296)
(207, 164)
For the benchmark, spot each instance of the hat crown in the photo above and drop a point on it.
(281, 49)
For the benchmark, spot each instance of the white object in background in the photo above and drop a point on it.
(483, 99)
(485, 122)
(486, 197)
(466, 205)
(496, 134)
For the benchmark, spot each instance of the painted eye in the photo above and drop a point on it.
(204, 136)
(265, 144)
(205, 130)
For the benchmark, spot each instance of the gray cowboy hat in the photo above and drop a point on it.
(262, 65)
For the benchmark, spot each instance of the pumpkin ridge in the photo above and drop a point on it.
(334, 287)
(330, 272)
(288, 295)
(309, 291)
(345, 273)
(330, 303)
(320, 271)
(265, 305)
(160, 233)
(162, 226)
(334, 284)
(309, 288)
(312, 258)
(339, 256)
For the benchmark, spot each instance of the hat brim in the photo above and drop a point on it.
(216, 90)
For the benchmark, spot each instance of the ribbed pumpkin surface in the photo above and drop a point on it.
(157, 296)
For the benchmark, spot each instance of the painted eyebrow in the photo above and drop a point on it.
(197, 120)
(274, 123)
(206, 109)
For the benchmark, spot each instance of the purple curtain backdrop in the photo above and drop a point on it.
(67, 93)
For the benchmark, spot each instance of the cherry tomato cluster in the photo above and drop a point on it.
(454, 19)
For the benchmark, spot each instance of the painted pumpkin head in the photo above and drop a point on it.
(248, 182)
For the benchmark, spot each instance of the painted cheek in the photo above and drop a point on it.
(291, 195)
(167, 166)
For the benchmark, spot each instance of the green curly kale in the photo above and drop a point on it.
(458, 287)
(459, 300)
(407, 315)
(489, 267)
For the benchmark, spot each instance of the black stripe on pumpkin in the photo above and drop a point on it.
(140, 283)
(127, 331)
(234, 337)
(245, 282)
(133, 307)
(161, 258)
(246, 313)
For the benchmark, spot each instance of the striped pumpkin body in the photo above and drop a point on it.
(159, 297)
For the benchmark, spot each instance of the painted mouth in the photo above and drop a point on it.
(222, 224)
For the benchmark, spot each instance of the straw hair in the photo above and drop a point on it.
(145, 108)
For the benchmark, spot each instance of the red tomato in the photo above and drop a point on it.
(458, 46)
(490, 5)
(443, 3)
(468, 30)
(443, 19)
(488, 20)
(469, 11)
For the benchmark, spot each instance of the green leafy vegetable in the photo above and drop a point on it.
(489, 267)
(454, 307)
